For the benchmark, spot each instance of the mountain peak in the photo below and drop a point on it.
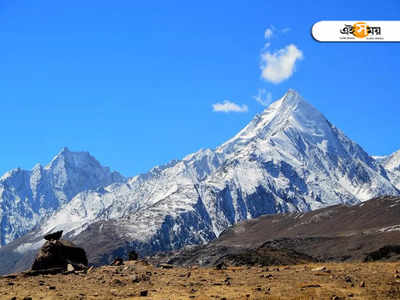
(290, 111)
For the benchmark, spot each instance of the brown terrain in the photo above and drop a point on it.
(139, 280)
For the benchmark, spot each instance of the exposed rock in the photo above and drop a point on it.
(133, 255)
(57, 254)
(166, 266)
(220, 266)
(53, 236)
(70, 268)
(320, 269)
(117, 262)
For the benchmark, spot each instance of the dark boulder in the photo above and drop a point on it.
(53, 236)
(58, 254)
(133, 255)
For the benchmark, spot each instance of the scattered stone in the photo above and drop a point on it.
(117, 262)
(362, 284)
(90, 269)
(70, 268)
(13, 298)
(10, 283)
(135, 278)
(320, 269)
(52, 287)
(166, 266)
(311, 286)
(144, 293)
(26, 298)
(221, 266)
(348, 279)
(116, 281)
(397, 276)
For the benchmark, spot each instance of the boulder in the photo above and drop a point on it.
(53, 236)
(57, 254)
(133, 255)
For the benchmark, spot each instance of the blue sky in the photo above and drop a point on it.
(134, 82)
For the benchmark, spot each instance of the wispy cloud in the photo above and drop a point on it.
(280, 65)
(228, 106)
(263, 97)
(269, 32)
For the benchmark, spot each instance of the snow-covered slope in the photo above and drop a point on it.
(28, 197)
(392, 165)
(288, 158)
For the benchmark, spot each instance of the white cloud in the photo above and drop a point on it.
(269, 32)
(280, 65)
(263, 97)
(228, 106)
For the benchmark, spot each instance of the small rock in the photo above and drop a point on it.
(135, 278)
(13, 298)
(348, 279)
(26, 298)
(397, 276)
(335, 298)
(52, 287)
(166, 266)
(362, 284)
(220, 266)
(133, 255)
(116, 281)
(320, 269)
(10, 283)
(70, 268)
(117, 262)
(90, 269)
(311, 286)
(144, 293)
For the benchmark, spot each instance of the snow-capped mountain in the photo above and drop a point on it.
(289, 158)
(28, 197)
(392, 165)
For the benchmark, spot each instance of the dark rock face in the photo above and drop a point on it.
(53, 236)
(133, 255)
(58, 254)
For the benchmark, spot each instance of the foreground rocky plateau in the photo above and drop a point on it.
(141, 280)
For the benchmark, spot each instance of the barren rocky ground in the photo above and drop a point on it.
(139, 280)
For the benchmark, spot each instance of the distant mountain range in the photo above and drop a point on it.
(289, 158)
(29, 197)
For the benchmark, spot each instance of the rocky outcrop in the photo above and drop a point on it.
(59, 254)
